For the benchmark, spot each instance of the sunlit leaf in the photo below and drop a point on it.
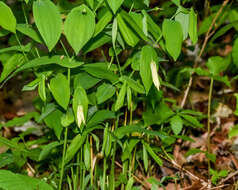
(7, 19)
(48, 21)
(79, 27)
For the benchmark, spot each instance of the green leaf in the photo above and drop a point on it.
(48, 21)
(104, 92)
(60, 89)
(236, 111)
(211, 157)
(222, 31)
(130, 182)
(22, 48)
(114, 33)
(223, 173)
(176, 124)
(193, 151)
(233, 131)
(148, 55)
(90, 3)
(183, 19)
(127, 33)
(204, 26)
(162, 114)
(235, 52)
(153, 154)
(68, 118)
(79, 27)
(6, 159)
(12, 63)
(154, 29)
(87, 157)
(77, 143)
(136, 86)
(176, 2)
(29, 31)
(145, 158)
(41, 88)
(96, 42)
(74, 146)
(115, 4)
(18, 121)
(80, 105)
(103, 22)
(173, 35)
(99, 117)
(47, 149)
(193, 121)
(100, 71)
(122, 131)
(53, 121)
(13, 181)
(11, 144)
(217, 64)
(193, 34)
(7, 19)
(133, 24)
(46, 60)
(121, 96)
(223, 79)
(85, 80)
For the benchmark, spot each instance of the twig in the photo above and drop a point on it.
(218, 187)
(208, 35)
(228, 177)
(172, 161)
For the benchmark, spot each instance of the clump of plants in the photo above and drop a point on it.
(104, 71)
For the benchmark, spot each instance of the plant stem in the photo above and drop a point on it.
(207, 37)
(112, 172)
(91, 160)
(81, 169)
(62, 165)
(208, 121)
(18, 41)
(77, 172)
(104, 172)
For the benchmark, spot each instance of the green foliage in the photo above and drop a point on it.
(8, 20)
(48, 21)
(79, 27)
(103, 90)
(216, 175)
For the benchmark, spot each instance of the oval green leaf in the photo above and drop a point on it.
(7, 19)
(104, 92)
(176, 123)
(48, 21)
(114, 4)
(193, 34)
(173, 35)
(79, 27)
(60, 89)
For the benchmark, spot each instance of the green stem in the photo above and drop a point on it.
(104, 172)
(77, 172)
(91, 160)
(65, 50)
(18, 41)
(208, 121)
(81, 169)
(62, 165)
(24, 12)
